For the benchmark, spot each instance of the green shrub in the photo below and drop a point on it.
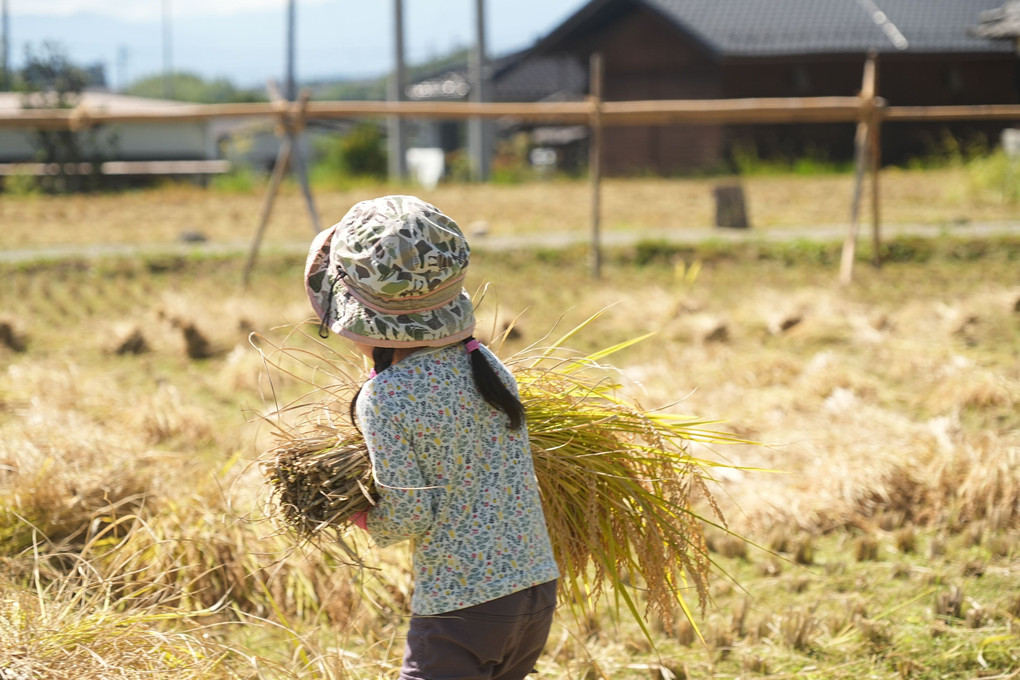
(656, 252)
(240, 180)
(359, 153)
(907, 249)
(21, 184)
(994, 176)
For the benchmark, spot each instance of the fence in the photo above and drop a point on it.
(867, 110)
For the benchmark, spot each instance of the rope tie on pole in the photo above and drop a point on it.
(79, 119)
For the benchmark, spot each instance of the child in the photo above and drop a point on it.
(446, 435)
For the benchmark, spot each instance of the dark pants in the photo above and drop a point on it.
(496, 640)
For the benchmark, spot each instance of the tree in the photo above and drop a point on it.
(49, 80)
(192, 88)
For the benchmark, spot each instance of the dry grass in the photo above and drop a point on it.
(641, 204)
(890, 410)
(82, 629)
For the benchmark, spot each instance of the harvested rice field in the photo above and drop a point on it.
(870, 531)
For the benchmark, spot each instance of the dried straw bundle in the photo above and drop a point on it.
(618, 487)
(319, 479)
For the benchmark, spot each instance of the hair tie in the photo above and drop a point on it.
(471, 345)
(372, 374)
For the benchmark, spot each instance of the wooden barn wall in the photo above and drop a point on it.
(903, 80)
(644, 60)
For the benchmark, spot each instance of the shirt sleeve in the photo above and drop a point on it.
(404, 509)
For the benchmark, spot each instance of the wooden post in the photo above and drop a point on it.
(289, 127)
(298, 162)
(279, 170)
(876, 171)
(595, 161)
(861, 143)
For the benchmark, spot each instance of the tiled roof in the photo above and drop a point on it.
(539, 77)
(746, 28)
(520, 76)
(774, 27)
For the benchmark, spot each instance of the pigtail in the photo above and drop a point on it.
(382, 358)
(487, 381)
(491, 387)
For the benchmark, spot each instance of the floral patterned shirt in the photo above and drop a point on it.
(455, 480)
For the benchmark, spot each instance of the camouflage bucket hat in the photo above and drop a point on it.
(390, 274)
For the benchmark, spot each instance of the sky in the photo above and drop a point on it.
(245, 41)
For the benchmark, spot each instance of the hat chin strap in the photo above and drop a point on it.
(324, 323)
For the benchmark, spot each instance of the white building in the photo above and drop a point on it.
(155, 141)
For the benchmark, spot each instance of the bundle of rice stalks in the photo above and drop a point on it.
(320, 479)
(618, 489)
(618, 485)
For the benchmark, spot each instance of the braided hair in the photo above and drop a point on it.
(487, 381)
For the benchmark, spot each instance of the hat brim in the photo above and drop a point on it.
(343, 314)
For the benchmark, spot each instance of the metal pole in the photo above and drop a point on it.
(5, 51)
(397, 162)
(478, 76)
(122, 68)
(290, 88)
(168, 85)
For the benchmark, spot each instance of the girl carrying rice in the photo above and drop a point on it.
(446, 434)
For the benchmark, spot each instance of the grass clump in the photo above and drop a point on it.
(88, 628)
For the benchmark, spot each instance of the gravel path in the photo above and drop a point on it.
(541, 240)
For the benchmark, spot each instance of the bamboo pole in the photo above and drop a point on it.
(749, 110)
(279, 170)
(652, 112)
(861, 144)
(595, 161)
(875, 153)
(291, 122)
(949, 113)
(294, 125)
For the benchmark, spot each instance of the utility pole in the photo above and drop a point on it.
(5, 51)
(396, 144)
(295, 138)
(479, 129)
(168, 75)
(290, 87)
(122, 68)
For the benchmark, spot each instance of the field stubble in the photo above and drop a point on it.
(646, 205)
(882, 530)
